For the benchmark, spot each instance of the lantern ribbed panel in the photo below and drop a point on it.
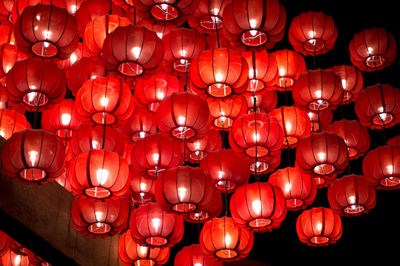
(142, 187)
(352, 81)
(11, 122)
(264, 101)
(140, 124)
(193, 255)
(225, 111)
(198, 147)
(205, 213)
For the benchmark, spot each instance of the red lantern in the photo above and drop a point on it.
(142, 187)
(352, 81)
(151, 225)
(99, 217)
(318, 90)
(20, 5)
(4, 243)
(183, 115)
(133, 50)
(373, 49)
(8, 56)
(37, 83)
(381, 167)
(219, 73)
(46, 31)
(377, 107)
(193, 255)
(295, 124)
(12, 258)
(105, 100)
(354, 135)
(395, 141)
(160, 28)
(299, 188)
(11, 122)
(139, 125)
(258, 206)
(226, 169)
(225, 240)
(7, 34)
(132, 253)
(33, 156)
(254, 23)
(319, 227)
(5, 11)
(74, 5)
(264, 101)
(225, 111)
(99, 174)
(265, 164)
(320, 120)
(312, 33)
(200, 146)
(208, 16)
(74, 57)
(207, 212)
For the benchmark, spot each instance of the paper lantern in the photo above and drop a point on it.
(263, 102)
(198, 147)
(139, 125)
(11, 258)
(320, 120)
(5, 11)
(8, 56)
(7, 34)
(225, 111)
(74, 57)
(11, 122)
(20, 5)
(266, 164)
(193, 255)
(208, 16)
(207, 212)
(74, 5)
(352, 81)
(142, 187)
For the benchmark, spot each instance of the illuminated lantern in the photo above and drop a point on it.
(183, 115)
(225, 111)
(99, 174)
(20, 5)
(140, 124)
(74, 57)
(219, 73)
(8, 56)
(105, 100)
(323, 154)
(373, 49)
(142, 187)
(5, 11)
(254, 23)
(7, 34)
(226, 169)
(11, 122)
(312, 33)
(319, 227)
(4, 97)
(352, 81)
(193, 256)
(318, 90)
(299, 188)
(4, 243)
(351, 195)
(33, 156)
(319, 119)
(46, 31)
(160, 28)
(207, 212)
(381, 167)
(256, 135)
(11, 258)
(150, 92)
(156, 153)
(37, 83)
(132, 50)
(354, 135)
(378, 106)
(265, 164)
(208, 16)
(132, 253)
(151, 225)
(200, 146)
(62, 119)
(98, 29)
(224, 239)
(73, 5)
(214, 41)
(295, 124)
(262, 102)
(181, 46)
(99, 217)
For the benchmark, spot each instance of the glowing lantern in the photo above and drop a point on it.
(11, 122)
(193, 256)
(265, 164)
(200, 146)
(142, 187)
(5, 11)
(8, 56)
(7, 34)
(11, 258)
(74, 57)
(320, 120)
(225, 111)
(262, 102)
(140, 124)
(160, 28)
(208, 16)
(352, 81)
(207, 212)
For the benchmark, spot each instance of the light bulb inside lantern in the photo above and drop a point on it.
(319, 226)
(143, 186)
(98, 215)
(321, 156)
(352, 199)
(156, 222)
(228, 240)
(104, 101)
(218, 77)
(102, 176)
(73, 58)
(143, 251)
(136, 51)
(288, 126)
(253, 23)
(256, 205)
(288, 187)
(182, 193)
(33, 157)
(17, 260)
(65, 119)
(181, 120)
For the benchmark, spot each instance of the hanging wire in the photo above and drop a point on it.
(216, 30)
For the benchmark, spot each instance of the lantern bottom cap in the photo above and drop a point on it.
(226, 254)
(390, 181)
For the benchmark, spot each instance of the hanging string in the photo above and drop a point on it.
(36, 113)
(382, 117)
(319, 118)
(315, 55)
(198, 227)
(216, 31)
(256, 166)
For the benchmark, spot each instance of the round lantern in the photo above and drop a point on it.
(20, 5)
(33, 156)
(11, 122)
(258, 206)
(99, 217)
(219, 73)
(265, 164)
(318, 90)
(262, 102)
(226, 169)
(142, 187)
(183, 115)
(207, 212)
(319, 227)
(193, 256)
(5, 11)
(160, 28)
(373, 49)
(319, 119)
(225, 240)
(132, 253)
(225, 111)
(37, 83)
(11, 258)
(378, 106)
(99, 174)
(74, 57)
(354, 135)
(132, 50)
(74, 5)
(8, 56)
(46, 31)
(200, 146)
(352, 81)
(140, 124)
(151, 225)
(299, 188)
(104, 100)
(313, 33)
(295, 124)
(208, 16)
(381, 167)
(7, 34)
(254, 23)
(4, 243)
(351, 195)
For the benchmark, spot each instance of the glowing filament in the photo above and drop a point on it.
(228, 240)
(156, 222)
(156, 157)
(65, 119)
(182, 193)
(143, 251)
(136, 51)
(33, 157)
(98, 215)
(102, 176)
(256, 205)
(181, 120)
(104, 101)
(321, 156)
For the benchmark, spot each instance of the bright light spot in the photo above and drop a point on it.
(380, 109)
(183, 53)
(370, 50)
(95, 144)
(73, 9)
(253, 23)
(136, 51)
(38, 17)
(311, 34)
(181, 120)
(288, 126)
(197, 145)
(142, 134)
(98, 215)
(256, 137)
(282, 72)
(17, 260)
(156, 157)
(143, 251)
(182, 193)
(156, 222)
(321, 156)
(389, 168)
(33, 157)
(228, 240)
(93, 76)
(253, 32)
(288, 187)
(344, 83)
(46, 34)
(2, 133)
(8, 67)
(73, 58)
(215, 11)
(218, 77)
(198, 264)
(143, 186)
(160, 35)
(220, 174)
(256, 205)
(164, 7)
(352, 199)
(383, 116)
(32, 87)
(318, 94)
(101, 176)
(104, 101)
(319, 226)
(65, 119)
(251, 73)
(160, 95)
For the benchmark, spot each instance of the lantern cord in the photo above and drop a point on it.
(109, 11)
(384, 109)
(104, 131)
(216, 30)
(226, 199)
(198, 228)
(134, 16)
(315, 57)
(286, 94)
(36, 113)
(256, 166)
(376, 72)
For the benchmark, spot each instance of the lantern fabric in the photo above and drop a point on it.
(10, 257)
(4, 243)
(263, 102)
(193, 255)
(5, 11)
(74, 57)
(395, 141)
(11, 122)
(7, 34)
(140, 124)
(318, 90)
(20, 5)
(319, 227)
(381, 167)
(378, 106)
(132, 253)
(373, 49)
(98, 218)
(352, 81)
(198, 147)
(33, 156)
(99, 174)
(225, 111)
(312, 33)
(208, 16)
(299, 188)
(266, 164)
(258, 206)
(160, 28)
(225, 240)
(205, 213)
(8, 56)
(354, 134)
(149, 224)
(320, 120)
(183, 115)
(46, 31)
(142, 187)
